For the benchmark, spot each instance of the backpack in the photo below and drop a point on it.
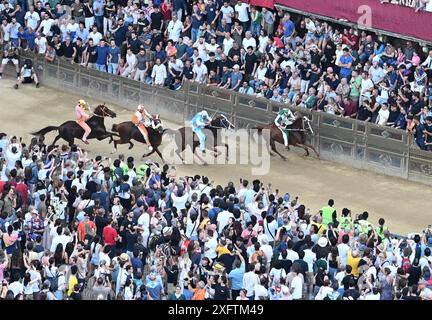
(406, 264)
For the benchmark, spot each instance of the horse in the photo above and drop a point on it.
(212, 130)
(70, 130)
(297, 135)
(128, 131)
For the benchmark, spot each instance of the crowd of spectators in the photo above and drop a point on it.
(300, 61)
(74, 227)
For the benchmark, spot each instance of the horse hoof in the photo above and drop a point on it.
(284, 159)
(130, 147)
(114, 151)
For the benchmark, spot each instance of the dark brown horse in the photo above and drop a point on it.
(186, 137)
(70, 130)
(297, 135)
(128, 131)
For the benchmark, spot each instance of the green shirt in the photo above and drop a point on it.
(355, 92)
(258, 18)
(310, 102)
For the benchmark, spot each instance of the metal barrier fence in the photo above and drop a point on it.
(354, 143)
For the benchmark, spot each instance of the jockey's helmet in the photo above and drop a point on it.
(140, 107)
(82, 103)
(204, 114)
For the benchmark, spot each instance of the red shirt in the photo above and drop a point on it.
(2, 184)
(109, 235)
(23, 190)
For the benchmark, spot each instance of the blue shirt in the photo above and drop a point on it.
(102, 54)
(236, 276)
(114, 52)
(289, 28)
(30, 38)
(197, 121)
(161, 55)
(81, 34)
(344, 72)
(235, 77)
(98, 8)
(195, 22)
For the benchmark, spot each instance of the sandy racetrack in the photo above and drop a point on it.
(402, 203)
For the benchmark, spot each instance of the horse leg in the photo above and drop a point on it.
(197, 155)
(300, 145)
(130, 145)
(273, 147)
(119, 141)
(159, 154)
(313, 149)
(55, 140)
(149, 154)
(227, 150)
(71, 142)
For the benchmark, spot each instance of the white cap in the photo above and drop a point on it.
(236, 66)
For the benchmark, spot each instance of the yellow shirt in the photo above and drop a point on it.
(221, 250)
(71, 284)
(353, 262)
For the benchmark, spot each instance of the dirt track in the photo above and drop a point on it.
(401, 203)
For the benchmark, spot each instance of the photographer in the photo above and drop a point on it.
(28, 74)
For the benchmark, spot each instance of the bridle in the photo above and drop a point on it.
(224, 127)
(104, 112)
(306, 126)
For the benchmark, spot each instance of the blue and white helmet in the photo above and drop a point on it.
(204, 114)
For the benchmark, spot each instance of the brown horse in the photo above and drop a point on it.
(297, 135)
(186, 137)
(70, 130)
(128, 131)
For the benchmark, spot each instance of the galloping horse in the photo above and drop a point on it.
(128, 131)
(297, 135)
(212, 131)
(70, 130)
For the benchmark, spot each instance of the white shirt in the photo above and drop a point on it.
(242, 10)
(226, 13)
(260, 291)
(41, 44)
(268, 252)
(200, 72)
(96, 36)
(191, 228)
(159, 73)
(297, 284)
(45, 26)
(250, 280)
(309, 258)
(16, 287)
(262, 43)
(366, 84)
(174, 30)
(223, 218)
(227, 45)
(11, 158)
(343, 253)
(383, 116)
(249, 42)
(260, 73)
(270, 229)
(144, 222)
(179, 202)
(211, 245)
(32, 19)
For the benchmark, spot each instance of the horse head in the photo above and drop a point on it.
(306, 124)
(221, 122)
(156, 123)
(103, 111)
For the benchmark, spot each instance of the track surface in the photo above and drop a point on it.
(402, 203)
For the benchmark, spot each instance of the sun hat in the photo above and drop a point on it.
(322, 242)
(124, 257)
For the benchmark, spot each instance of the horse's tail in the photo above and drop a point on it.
(45, 130)
(169, 131)
(114, 128)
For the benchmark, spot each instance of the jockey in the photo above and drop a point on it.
(284, 118)
(139, 119)
(198, 122)
(81, 117)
